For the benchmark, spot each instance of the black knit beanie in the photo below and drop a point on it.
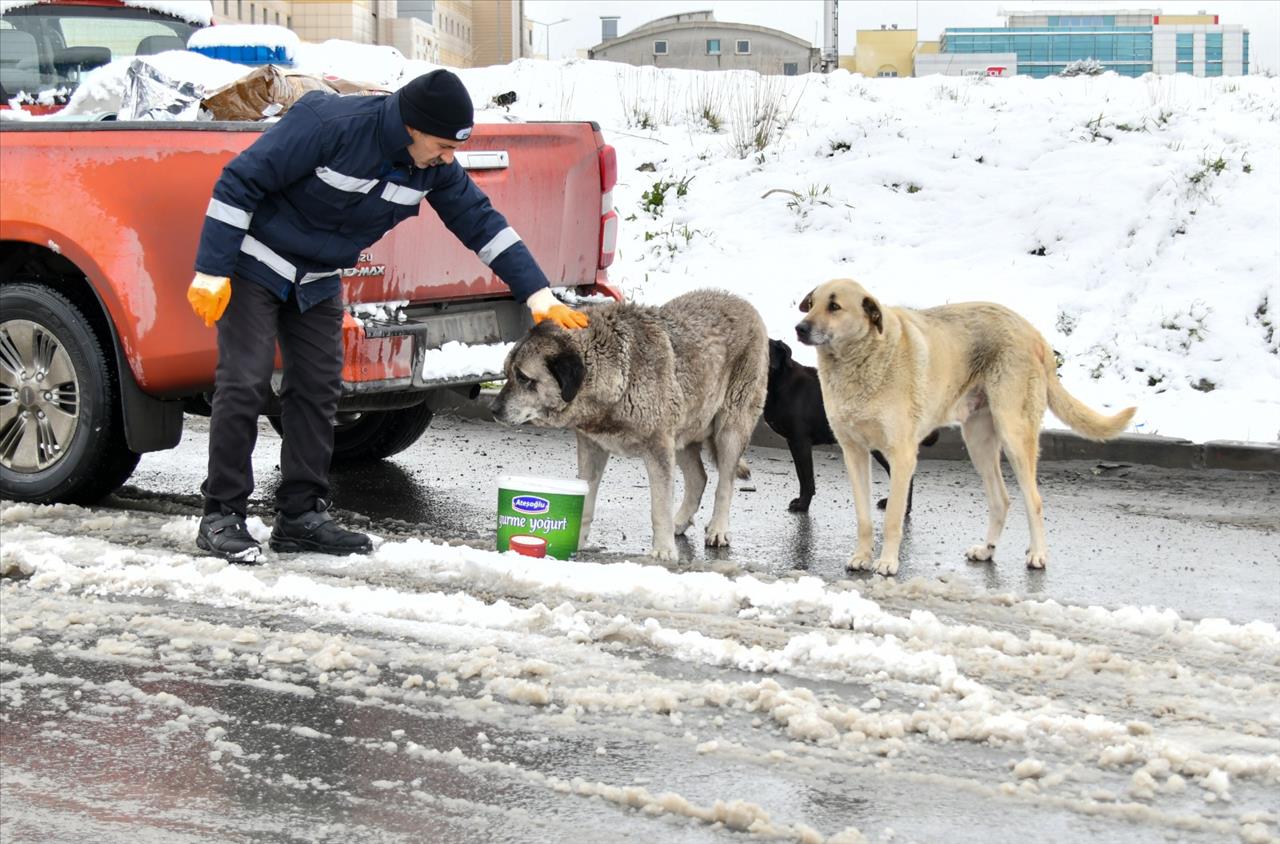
(436, 103)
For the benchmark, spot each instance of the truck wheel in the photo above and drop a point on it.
(61, 431)
(374, 434)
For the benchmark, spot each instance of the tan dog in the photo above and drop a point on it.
(891, 375)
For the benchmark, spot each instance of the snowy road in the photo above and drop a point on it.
(445, 693)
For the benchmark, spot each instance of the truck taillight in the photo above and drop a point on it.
(608, 168)
(608, 216)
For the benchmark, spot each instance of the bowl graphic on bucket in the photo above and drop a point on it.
(528, 546)
(544, 508)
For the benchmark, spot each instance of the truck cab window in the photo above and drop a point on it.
(48, 47)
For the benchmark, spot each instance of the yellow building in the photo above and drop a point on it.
(885, 52)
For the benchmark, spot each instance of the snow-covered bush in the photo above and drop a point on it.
(707, 98)
(1083, 67)
(758, 117)
(648, 98)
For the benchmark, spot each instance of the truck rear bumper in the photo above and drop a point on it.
(395, 348)
(430, 346)
(395, 353)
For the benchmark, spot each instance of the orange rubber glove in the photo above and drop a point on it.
(209, 295)
(545, 305)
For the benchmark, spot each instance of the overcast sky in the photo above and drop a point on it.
(803, 18)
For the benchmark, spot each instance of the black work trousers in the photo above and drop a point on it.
(311, 350)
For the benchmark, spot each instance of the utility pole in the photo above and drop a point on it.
(546, 30)
(830, 36)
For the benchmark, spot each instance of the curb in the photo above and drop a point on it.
(1147, 449)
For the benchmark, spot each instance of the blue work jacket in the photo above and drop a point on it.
(328, 180)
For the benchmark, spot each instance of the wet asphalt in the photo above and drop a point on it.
(87, 758)
(1205, 543)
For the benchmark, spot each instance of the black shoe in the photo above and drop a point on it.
(317, 531)
(225, 535)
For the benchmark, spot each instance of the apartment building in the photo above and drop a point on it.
(437, 31)
(412, 31)
(274, 12)
(501, 33)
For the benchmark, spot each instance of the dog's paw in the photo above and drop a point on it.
(860, 561)
(887, 566)
(1037, 559)
(980, 553)
(717, 537)
(665, 555)
(682, 526)
(799, 505)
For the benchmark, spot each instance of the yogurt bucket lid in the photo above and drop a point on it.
(555, 486)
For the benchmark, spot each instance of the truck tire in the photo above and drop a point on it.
(61, 428)
(374, 434)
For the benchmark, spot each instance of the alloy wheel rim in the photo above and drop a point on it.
(39, 397)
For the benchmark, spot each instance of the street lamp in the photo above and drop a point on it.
(547, 28)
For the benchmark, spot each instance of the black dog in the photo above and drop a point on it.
(793, 408)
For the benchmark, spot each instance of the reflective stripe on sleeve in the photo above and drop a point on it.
(282, 265)
(501, 241)
(229, 214)
(267, 255)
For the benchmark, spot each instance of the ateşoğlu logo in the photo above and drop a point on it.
(530, 504)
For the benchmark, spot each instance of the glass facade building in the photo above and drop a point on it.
(1124, 49)
(1130, 43)
(1186, 52)
(1213, 54)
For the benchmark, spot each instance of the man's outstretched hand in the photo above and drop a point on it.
(544, 305)
(564, 316)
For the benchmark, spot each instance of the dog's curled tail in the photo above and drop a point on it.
(1081, 418)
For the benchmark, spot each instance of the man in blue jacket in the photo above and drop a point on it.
(324, 183)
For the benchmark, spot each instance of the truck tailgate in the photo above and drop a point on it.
(125, 202)
(544, 177)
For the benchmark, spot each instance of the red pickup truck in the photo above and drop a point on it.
(100, 354)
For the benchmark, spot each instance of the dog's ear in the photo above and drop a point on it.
(807, 302)
(779, 355)
(569, 371)
(872, 309)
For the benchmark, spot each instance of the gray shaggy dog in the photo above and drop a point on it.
(655, 383)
